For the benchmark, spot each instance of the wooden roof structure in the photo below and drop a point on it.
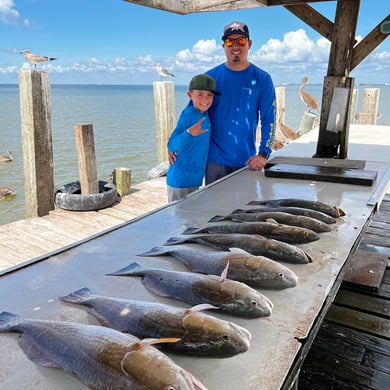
(345, 55)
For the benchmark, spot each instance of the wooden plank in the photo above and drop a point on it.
(328, 174)
(361, 321)
(363, 302)
(366, 270)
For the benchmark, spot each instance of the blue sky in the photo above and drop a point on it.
(116, 42)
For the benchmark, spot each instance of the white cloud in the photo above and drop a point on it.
(9, 15)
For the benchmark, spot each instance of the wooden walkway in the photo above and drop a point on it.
(352, 348)
(27, 239)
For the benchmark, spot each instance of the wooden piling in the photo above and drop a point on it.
(122, 181)
(85, 146)
(164, 109)
(35, 113)
(369, 114)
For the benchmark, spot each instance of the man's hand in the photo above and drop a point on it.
(256, 163)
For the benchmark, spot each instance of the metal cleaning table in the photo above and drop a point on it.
(276, 346)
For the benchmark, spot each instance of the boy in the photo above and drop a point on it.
(191, 138)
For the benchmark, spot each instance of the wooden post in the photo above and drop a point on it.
(307, 122)
(371, 102)
(122, 181)
(85, 146)
(35, 113)
(355, 95)
(164, 109)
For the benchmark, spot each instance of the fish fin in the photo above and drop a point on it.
(191, 230)
(156, 251)
(271, 220)
(7, 321)
(175, 241)
(35, 354)
(78, 296)
(218, 218)
(132, 269)
(201, 307)
(224, 273)
(239, 251)
(341, 212)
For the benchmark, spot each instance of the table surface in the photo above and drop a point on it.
(33, 291)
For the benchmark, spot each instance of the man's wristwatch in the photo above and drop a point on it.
(264, 155)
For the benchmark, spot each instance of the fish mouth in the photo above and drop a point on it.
(244, 332)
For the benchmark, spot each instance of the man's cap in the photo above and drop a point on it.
(204, 82)
(235, 28)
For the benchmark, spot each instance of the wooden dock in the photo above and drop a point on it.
(352, 348)
(25, 240)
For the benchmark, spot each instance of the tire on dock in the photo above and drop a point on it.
(69, 197)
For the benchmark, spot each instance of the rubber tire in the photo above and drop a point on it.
(69, 197)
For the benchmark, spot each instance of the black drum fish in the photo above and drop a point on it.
(229, 296)
(200, 334)
(100, 357)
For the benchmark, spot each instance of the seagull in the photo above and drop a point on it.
(163, 72)
(35, 58)
(6, 158)
(310, 101)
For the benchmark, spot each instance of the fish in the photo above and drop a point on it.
(255, 271)
(200, 334)
(101, 358)
(285, 233)
(331, 210)
(229, 296)
(253, 243)
(279, 217)
(291, 210)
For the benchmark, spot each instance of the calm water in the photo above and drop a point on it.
(124, 130)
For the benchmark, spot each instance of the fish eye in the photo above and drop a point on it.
(226, 337)
(254, 303)
(170, 387)
(281, 275)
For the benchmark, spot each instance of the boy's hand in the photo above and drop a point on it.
(196, 129)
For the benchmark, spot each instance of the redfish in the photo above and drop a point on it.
(285, 233)
(326, 208)
(229, 296)
(255, 271)
(253, 243)
(200, 334)
(100, 357)
(280, 217)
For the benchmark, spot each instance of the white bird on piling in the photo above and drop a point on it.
(6, 191)
(310, 101)
(6, 158)
(36, 58)
(163, 72)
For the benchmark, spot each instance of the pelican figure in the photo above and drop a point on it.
(6, 191)
(310, 101)
(287, 131)
(6, 158)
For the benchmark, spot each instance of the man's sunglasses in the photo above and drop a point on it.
(241, 41)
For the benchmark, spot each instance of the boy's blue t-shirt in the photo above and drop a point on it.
(192, 151)
(235, 114)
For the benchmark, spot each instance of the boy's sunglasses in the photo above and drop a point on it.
(241, 41)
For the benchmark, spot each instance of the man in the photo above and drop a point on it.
(247, 96)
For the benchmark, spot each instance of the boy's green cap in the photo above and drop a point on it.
(204, 82)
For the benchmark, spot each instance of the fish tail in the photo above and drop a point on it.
(77, 296)
(175, 240)
(238, 211)
(156, 251)
(257, 202)
(132, 269)
(190, 230)
(218, 218)
(8, 321)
